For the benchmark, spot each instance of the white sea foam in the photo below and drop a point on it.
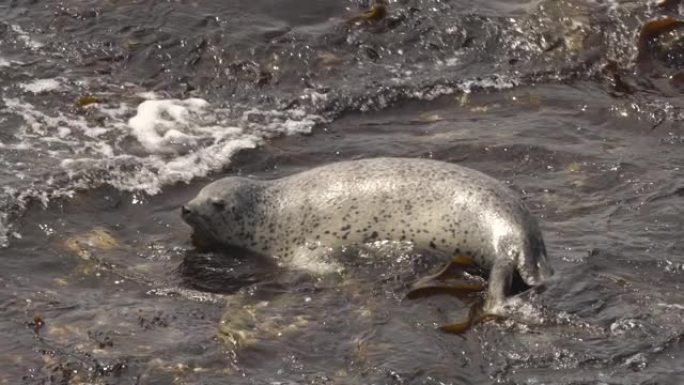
(42, 126)
(4, 230)
(41, 85)
(671, 306)
(180, 139)
(160, 125)
(25, 37)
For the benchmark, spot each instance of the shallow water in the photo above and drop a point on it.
(100, 283)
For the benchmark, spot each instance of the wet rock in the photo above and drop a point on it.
(86, 244)
(661, 42)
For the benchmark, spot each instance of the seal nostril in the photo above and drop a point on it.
(185, 211)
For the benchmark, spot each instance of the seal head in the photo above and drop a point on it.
(224, 212)
(518, 260)
(528, 254)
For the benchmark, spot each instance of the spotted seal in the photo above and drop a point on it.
(436, 205)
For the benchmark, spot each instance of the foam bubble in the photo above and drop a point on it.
(25, 37)
(160, 125)
(190, 138)
(42, 126)
(315, 261)
(38, 86)
(4, 230)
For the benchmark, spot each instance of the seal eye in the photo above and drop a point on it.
(218, 204)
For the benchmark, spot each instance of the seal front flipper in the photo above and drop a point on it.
(500, 280)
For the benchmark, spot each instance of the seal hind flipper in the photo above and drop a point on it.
(462, 327)
(476, 315)
(454, 278)
(468, 265)
(459, 263)
(458, 288)
(471, 319)
(500, 281)
(462, 260)
(443, 281)
(457, 327)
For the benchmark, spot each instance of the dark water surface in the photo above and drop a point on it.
(576, 105)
